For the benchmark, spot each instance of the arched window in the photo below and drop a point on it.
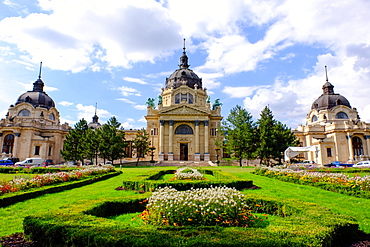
(184, 130)
(357, 146)
(314, 118)
(341, 115)
(51, 116)
(24, 113)
(8, 144)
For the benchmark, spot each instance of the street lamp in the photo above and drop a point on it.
(152, 148)
(217, 161)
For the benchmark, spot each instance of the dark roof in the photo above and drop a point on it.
(37, 97)
(329, 99)
(183, 74)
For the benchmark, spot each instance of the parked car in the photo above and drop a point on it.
(6, 163)
(338, 164)
(362, 164)
(13, 159)
(29, 162)
(48, 163)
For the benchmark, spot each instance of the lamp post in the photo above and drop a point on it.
(152, 148)
(217, 161)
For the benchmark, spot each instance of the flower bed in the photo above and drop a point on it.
(337, 182)
(150, 181)
(186, 173)
(207, 206)
(23, 183)
(296, 223)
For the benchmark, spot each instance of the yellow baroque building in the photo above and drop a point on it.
(32, 127)
(335, 128)
(184, 126)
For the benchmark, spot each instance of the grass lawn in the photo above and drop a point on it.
(12, 216)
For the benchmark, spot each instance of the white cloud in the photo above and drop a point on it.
(127, 91)
(88, 111)
(129, 32)
(126, 101)
(65, 103)
(136, 80)
(239, 92)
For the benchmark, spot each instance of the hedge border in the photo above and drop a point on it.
(82, 224)
(149, 181)
(19, 196)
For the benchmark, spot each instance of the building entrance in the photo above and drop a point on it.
(183, 151)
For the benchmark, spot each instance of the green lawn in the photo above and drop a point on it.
(12, 216)
(8, 177)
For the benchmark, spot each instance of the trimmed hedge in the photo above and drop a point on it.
(295, 223)
(19, 196)
(34, 170)
(150, 181)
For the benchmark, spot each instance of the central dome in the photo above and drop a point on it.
(183, 75)
(37, 97)
(329, 99)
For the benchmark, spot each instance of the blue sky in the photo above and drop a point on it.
(251, 53)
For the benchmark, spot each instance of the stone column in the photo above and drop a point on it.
(161, 141)
(197, 154)
(367, 138)
(350, 149)
(170, 140)
(15, 146)
(206, 141)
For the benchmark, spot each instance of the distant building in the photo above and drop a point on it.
(335, 128)
(32, 127)
(184, 125)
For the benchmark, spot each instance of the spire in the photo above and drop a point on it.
(184, 59)
(328, 88)
(38, 85)
(95, 117)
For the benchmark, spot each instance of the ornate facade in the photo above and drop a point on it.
(32, 127)
(184, 125)
(336, 129)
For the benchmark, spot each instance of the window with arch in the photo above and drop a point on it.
(184, 130)
(51, 116)
(357, 146)
(314, 118)
(8, 144)
(24, 113)
(341, 115)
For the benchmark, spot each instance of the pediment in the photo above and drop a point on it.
(183, 110)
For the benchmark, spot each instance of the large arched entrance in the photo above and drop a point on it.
(357, 146)
(184, 129)
(8, 144)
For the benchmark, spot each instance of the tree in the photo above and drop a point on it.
(267, 143)
(142, 144)
(94, 140)
(75, 144)
(284, 138)
(112, 140)
(239, 133)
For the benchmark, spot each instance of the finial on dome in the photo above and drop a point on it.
(184, 59)
(38, 85)
(40, 70)
(326, 73)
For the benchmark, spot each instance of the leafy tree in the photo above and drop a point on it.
(142, 144)
(267, 143)
(239, 133)
(112, 140)
(284, 138)
(75, 144)
(94, 140)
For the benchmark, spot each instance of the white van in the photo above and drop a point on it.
(29, 162)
